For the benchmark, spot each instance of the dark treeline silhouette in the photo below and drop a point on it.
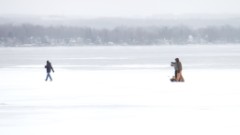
(36, 35)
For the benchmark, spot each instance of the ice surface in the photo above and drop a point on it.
(120, 91)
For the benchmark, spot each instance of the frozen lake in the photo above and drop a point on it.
(120, 90)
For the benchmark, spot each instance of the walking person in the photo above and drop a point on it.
(178, 71)
(49, 68)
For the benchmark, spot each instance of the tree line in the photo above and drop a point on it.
(36, 35)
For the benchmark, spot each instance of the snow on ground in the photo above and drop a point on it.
(116, 93)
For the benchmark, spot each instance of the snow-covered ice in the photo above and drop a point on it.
(120, 90)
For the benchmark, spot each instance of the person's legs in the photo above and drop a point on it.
(175, 75)
(48, 76)
(181, 78)
(178, 77)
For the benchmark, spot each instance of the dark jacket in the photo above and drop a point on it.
(179, 67)
(49, 67)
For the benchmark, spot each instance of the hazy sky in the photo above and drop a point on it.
(118, 8)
